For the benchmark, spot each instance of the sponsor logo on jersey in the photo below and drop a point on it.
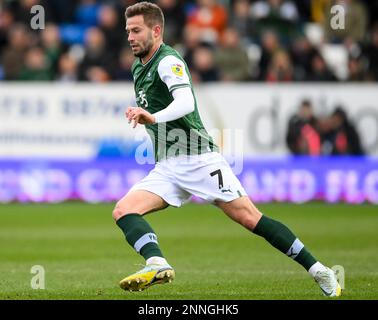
(177, 70)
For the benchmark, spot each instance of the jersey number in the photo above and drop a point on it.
(142, 99)
(220, 178)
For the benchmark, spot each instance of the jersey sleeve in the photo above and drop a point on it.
(173, 73)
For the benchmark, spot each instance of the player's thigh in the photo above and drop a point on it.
(209, 177)
(241, 210)
(140, 202)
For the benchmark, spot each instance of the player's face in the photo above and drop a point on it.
(140, 36)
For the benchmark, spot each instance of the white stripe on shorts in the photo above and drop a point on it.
(143, 240)
(295, 248)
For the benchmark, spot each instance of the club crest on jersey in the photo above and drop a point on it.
(177, 70)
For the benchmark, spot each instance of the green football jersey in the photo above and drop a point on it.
(154, 83)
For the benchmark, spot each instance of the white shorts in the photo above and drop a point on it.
(207, 176)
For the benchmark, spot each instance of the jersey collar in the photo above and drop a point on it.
(153, 56)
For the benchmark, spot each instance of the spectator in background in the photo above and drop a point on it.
(371, 53)
(231, 58)
(204, 68)
(21, 10)
(97, 62)
(19, 40)
(352, 47)
(319, 9)
(174, 16)
(125, 3)
(114, 32)
(192, 40)
(59, 11)
(97, 74)
(278, 15)
(304, 9)
(302, 137)
(269, 46)
(126, 60)
(319, 70)
(355, 22)
(302, 52)
(341, 138)
(241, 21)
(372, 9)
(190, 24)
(68, 69)
(211, 18)
(280, 68)
(6, 22)
(52, 46)
(356, 70)
(37, 66)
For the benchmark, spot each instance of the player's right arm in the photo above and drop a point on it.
(173, 73)
(182, 104)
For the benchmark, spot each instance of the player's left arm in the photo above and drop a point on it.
(173, 73)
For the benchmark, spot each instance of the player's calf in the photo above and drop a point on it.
(283, 239)
(128, 214)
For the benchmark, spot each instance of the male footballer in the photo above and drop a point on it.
(193, 166)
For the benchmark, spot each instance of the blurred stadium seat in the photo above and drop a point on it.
(72, 33)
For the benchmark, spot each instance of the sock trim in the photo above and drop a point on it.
(143, 240)
(295, 249)
(317, 266)
(156, 260)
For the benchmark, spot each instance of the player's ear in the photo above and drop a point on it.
(156, 30)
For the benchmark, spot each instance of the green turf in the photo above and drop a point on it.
(84, 254)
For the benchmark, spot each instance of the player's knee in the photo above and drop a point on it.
(248, 221)
(249, 217)
(122, 209)
(117, 212)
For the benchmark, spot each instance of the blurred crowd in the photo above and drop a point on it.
(235, 40)
(334, 134)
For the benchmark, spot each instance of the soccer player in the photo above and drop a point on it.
(166, 104)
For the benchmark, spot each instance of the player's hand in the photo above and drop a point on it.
(139, 115)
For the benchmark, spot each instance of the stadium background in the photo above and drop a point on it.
(63, 138)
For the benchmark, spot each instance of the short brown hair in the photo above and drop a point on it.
(151, 13)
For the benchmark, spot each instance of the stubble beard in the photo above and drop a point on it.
(145, 48)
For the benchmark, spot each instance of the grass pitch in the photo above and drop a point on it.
(84, 254)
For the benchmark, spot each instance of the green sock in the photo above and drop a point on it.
(280, 237)
(140, 235)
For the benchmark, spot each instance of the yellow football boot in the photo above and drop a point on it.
(148, 276)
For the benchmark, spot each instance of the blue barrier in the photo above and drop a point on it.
(344, 179)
